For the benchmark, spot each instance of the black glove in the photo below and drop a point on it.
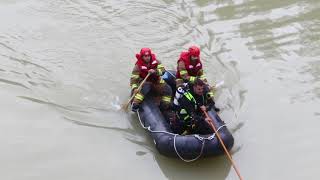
(210, 104)
(196, 118)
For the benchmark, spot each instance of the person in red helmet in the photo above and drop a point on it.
(148, 63)
(189, 68)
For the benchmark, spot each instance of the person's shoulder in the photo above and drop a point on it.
(183, 54)
(154, 57)
(136, 67)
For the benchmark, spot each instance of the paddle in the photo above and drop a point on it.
(125, 106)
(209, 121)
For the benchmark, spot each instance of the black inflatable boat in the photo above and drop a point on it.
(189, 147)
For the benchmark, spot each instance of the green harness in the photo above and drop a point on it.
(183, 114)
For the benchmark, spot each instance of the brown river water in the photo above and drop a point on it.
(65, 67)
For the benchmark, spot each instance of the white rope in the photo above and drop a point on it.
(200, 138)
(187, 160)
(149, 128)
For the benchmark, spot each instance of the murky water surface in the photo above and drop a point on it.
(65, 67)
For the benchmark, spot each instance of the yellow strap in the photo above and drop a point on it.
(161, 81)
(135, 76)
(166, 98)
(139, 96)
(192, 79)
(183, 111)
(183, 72)
(212, 90)
(203, 77)
(133, 86)
(159, 71)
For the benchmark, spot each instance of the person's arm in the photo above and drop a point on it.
(209, 103)
(160, 69)
(184, 73)
(212, 89)
(135, 78)
(202, 76)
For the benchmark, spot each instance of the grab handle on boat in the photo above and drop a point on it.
(210, 122)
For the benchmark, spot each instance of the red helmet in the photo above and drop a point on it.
(145, 52)
(194, 51)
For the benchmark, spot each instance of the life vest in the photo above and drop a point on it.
(192, 69)
(185, 92)
(179, 93)
(181, 112)
(144, 68)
